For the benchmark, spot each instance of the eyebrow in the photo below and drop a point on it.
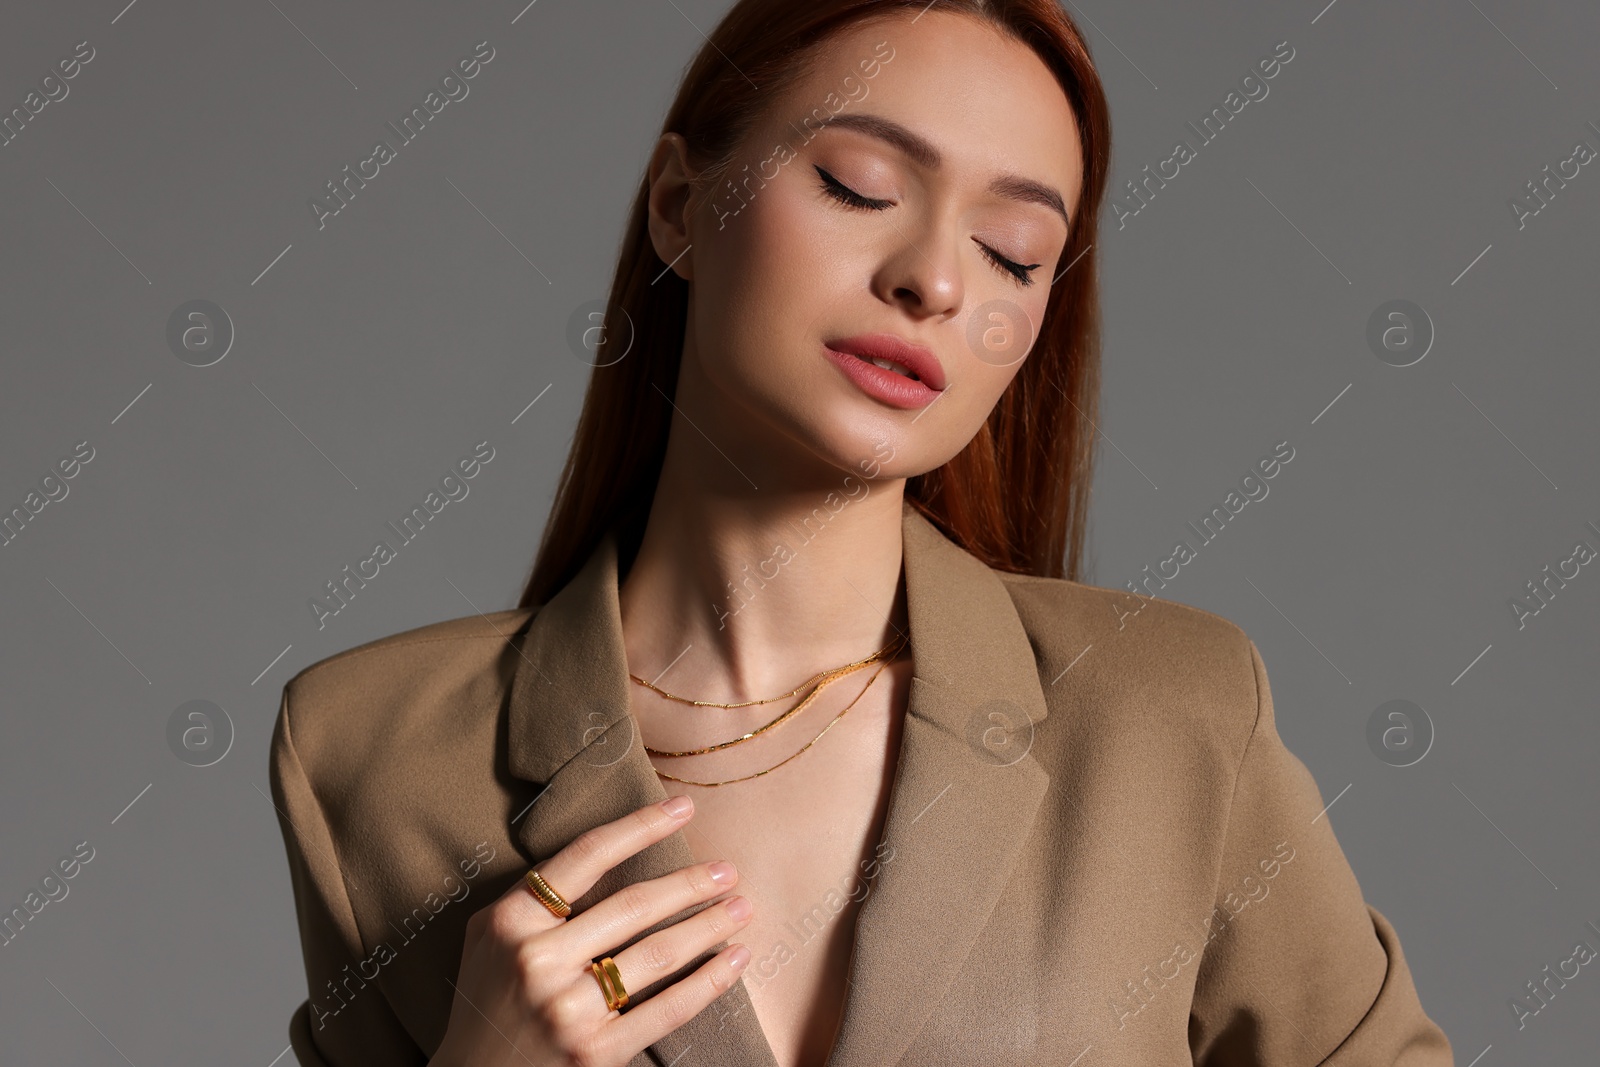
(922, 151)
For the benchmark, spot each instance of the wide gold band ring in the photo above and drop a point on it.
(547, 896)
(605, 972)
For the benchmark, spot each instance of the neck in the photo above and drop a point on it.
(737, 594)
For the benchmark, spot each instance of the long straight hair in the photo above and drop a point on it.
(1016, 496)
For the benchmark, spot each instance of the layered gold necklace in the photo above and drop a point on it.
(818, 681)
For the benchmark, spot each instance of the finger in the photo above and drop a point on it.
(653, 958)
(573, 870)
(631, 909)
(644, 1025)
(640, 905)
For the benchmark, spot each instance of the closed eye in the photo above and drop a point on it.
(837, 190)
(848, 196)
(1022, 272)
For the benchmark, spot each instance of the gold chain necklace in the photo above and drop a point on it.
(888, 651)
(808, 744)
(747, 703)
(799, 707)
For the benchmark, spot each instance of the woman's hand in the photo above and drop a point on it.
(525, 995)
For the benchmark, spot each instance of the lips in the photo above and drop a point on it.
(916, 360)
(913, 377)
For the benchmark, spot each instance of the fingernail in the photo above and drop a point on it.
(739, 957)
(677, 807)
(721, 872)
(739, 908)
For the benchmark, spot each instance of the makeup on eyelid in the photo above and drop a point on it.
(844, 194)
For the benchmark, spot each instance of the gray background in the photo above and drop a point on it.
(430, 313)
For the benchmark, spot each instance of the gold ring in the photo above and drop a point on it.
(605, 972)
(547, 896)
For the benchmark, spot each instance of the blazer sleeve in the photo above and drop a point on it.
(339, 1026)
(1298, 970)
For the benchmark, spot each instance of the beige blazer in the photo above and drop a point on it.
(1097, 850)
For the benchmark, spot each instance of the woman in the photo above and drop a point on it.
(840, 427)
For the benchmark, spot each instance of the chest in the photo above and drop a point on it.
(805, 840)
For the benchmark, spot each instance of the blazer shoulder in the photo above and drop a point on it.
(1155, 650)
(374, 655)
(336, 702)
(1098, 610)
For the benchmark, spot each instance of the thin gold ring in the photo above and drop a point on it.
(547, 896)
(605, 972)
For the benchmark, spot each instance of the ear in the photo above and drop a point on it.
(669, 201)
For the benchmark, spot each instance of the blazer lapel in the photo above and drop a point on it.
(570, 728)
(963, 798)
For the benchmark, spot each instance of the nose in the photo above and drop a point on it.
(923, 274)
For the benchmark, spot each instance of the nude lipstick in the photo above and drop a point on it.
(913, 378)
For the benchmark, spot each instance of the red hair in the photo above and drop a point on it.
(1016, 496)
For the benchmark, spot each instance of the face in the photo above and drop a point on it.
(898, 197)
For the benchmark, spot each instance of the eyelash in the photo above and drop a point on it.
(833, 187)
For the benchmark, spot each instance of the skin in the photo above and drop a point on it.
(765, 428)
(795, 267)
